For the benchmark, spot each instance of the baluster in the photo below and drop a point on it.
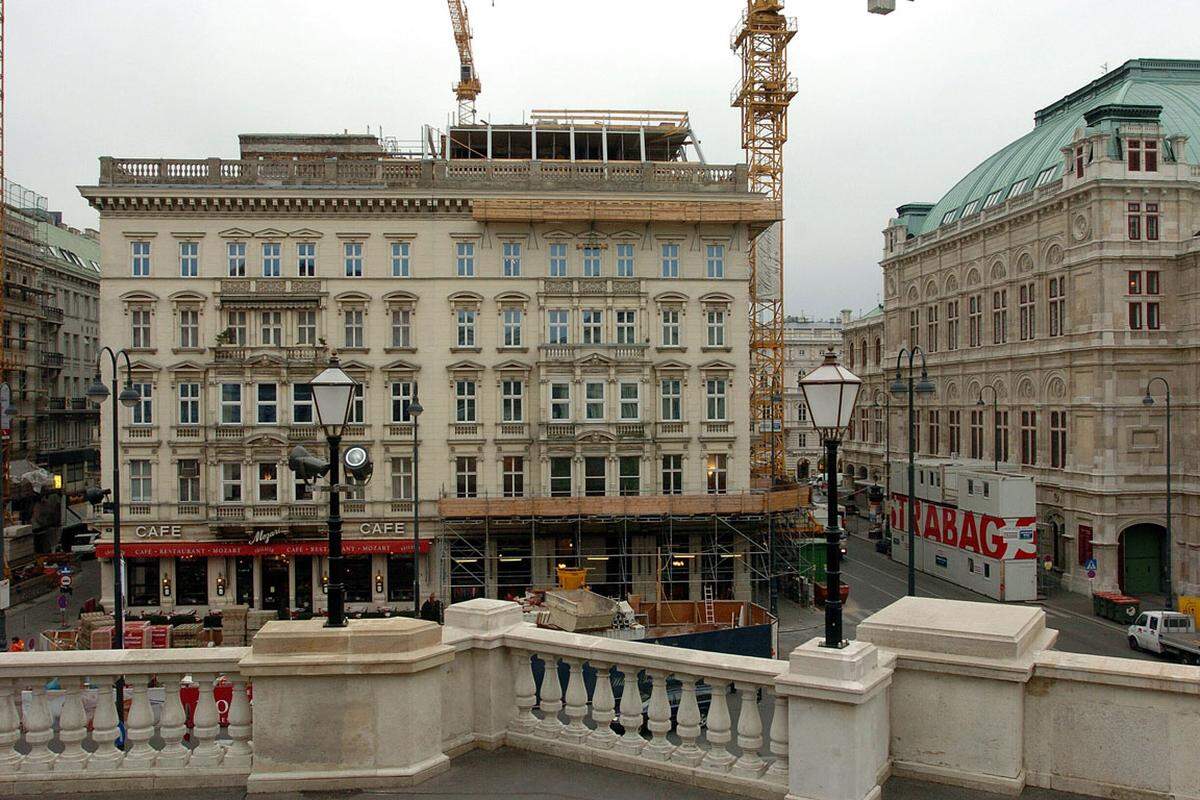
(172, 725)
(39, 730)
(576, 707)
(749, 735)
(778, 771)
(603, 737)
(718, 758)
(525, 690)
(659, 721)
(139, 725)
(687, 724)
(239, 752)
(10, 729)
(551, 698)
(107, 755)
(72, 728)
(631, 742)
(206, 725)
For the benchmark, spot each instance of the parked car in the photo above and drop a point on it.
(1168, 633)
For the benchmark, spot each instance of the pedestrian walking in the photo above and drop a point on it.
(431, 609)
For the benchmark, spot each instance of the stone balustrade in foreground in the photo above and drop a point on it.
(962, 693)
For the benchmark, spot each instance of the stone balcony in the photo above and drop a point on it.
(946, 692)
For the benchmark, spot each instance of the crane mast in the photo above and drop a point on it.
(763, 94)
(468, 86)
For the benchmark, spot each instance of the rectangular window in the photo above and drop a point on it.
(400, 265)
(353, 258)
(976, 434)
(914, 327)
(716, 328)
(267, 404)
(955, 430)
(271, 329)
(631, 401)
(140, 482)
(1027, 312)
(591, 262)
(271, 266)
(1000, 436)
(464, 401)
(189, 328)
(354, 327)
(595, 476)
(999, 316)
(1152, 282)
(1152, 222)
(931, 330)
(231, 482)
(1017, 188)
(466, 476)
(466, 327)
(188, 470)
(1135, 316)
(934, 430)
(951, 325)
(626, 326)
(629, 476)
(560, 401)
(1152, 321)
(1135, 282)
(993, 198)
(672, 474)
(306, 259)
(268, 483)
(624, 261)
(189, 259)
(236, 252)
(139, 320)
(593, 405)
(560, 476)
(465, 259)
(1135, 221)
(1057, 299)
(306, 327)
(189, 403)
(302, 404)
(670, 261)
(401, 327)
(715, 261)
(558, 260)
(512, 320)
(558, 325)
(142, 413)
(358, 411)
(512, 259)
(1133, 150)
(715, 396)
(141, 259)
(512, 475)
(672, 399)
(231, 403)
(402, 393)
(974, 320)
(402, 478)
(1058, 439)
(1029, 438)
(512, 401)
(593, 326)
(670, 327)
(718, 473)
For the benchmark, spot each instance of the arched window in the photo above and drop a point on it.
(878, 351)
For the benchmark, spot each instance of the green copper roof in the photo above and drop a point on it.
(1036, 157)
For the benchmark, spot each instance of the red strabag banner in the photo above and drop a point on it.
(995, 537)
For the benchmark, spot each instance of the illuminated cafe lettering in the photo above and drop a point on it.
(381, 528)
(966, 530)
(158, 531)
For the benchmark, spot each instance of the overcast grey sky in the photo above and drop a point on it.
(891, 108)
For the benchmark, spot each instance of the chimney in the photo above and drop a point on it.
(845, 316)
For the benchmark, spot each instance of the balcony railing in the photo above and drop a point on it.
(51, 359)
(52, 313)
(512, 430)
(574, 352)
(291, 355)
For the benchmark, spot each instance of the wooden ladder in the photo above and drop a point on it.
(710, 616)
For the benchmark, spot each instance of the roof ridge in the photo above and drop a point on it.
(1174, 67)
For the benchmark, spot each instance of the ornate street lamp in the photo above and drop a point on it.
(913, 387)
(333, 393)
(830, 392)
(1149, 401)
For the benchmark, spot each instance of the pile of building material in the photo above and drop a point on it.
(579, 609)
(189, 635)
(233, 625)
(90, 624)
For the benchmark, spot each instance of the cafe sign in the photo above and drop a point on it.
(158, 531)
(381, 528)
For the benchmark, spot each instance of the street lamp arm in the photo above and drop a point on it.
(1166, 386)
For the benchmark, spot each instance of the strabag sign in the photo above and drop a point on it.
(994, 537)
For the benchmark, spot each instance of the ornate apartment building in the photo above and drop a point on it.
(1062, 275)
(805, 341)
(568, 301)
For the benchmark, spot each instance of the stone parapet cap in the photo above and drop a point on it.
(1125, 672)
(481, 623)
(396, 645)
(71, 663)
(853, 674)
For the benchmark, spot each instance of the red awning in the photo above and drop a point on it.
(350, 547)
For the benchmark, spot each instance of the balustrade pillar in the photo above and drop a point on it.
(206, 724)
(687, 725)
(72, 728)
(631, 742)
(139, 725)
(10, 728)
(603, 737)
(550, 698)
(107, 756)
(239, 751)
(749, 735)
(659, 718)
(172, 725)
(525, 691)
(778, 771)
(39, 730)
(718, 758)
(576, 706)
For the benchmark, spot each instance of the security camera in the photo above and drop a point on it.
(358, 464)
(306, 466)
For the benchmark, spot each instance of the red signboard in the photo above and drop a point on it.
(994, 537)
(350, 547)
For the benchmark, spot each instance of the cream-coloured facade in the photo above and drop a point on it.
(1062, 275)
(575, 330)
(805, 341)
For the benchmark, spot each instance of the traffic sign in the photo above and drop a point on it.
(1091, 573)
(62, 602)
(64, 581)
(1090, 565)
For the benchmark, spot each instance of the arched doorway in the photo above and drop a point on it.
(1140, 554)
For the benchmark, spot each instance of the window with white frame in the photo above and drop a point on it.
(466, 476)
(140, 251)
(400, 263)
(670, 261)
(716, 327)
(512, 476)
(464, 401)
(631, 401)
(512, 319)
(593, 326)
(358, 411)
(141, 488)
(672, 473)
(512, 259)
(189, 328)
(671, 394)
(560, 401)
(717, 469)
(189, 403)
(302, 404)
(189, 259)
(465, 259)
(353, 259)
(271, 329)
(591, 262)
(715, 261)
(271, 261)
(625, 260)
(558, 260)
(231, 482)
(266, 404)
(465, 318)
(558, 325)
(231, 404)
(139, 321)
(593, 401)
(626, 326)
(237, 327)
(354, 327)
(560, 476)
(512, 400)
(142, 412)
(670, 327)
(402, 478)
(306, 327)
(401, 327)
(188, 471)
(715, 394)
(236, 259)
(268, 482)
(402, 393)
(306, 259)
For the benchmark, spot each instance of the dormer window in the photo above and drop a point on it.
(1017, 188)
(970, 208)
(1142, 155)
(1044, 177)
(993, 198)
(948, 217)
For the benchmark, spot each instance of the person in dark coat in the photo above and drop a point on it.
(431, 609)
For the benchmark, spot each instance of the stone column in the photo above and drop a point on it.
(368, 698)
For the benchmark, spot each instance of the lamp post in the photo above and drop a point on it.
(772, 579)
(830, 392)
(995, 423)
(333, 392)
(923, 386)
(1149, 401)
(414, 411)
(7, 413)
(887, 464)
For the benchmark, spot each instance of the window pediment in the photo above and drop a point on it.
(717, 365)
(186, 366)
(236, 233)
(400, 299)
(512, 366)
(716, 298)
(513, 298)
(306, 233)
(672, 365)
(186, 296)
(400, 365)
(465, 366)
(670, 297)
(139, 296)
(270, 233)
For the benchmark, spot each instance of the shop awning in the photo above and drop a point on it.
(350, 547)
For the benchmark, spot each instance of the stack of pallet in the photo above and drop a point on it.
(187, 635)
(255, 620)
(89, 623)
(233, 625)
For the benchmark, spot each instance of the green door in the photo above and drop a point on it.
(1143, 559)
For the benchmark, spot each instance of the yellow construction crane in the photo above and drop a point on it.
(468, 86)
(763, 94)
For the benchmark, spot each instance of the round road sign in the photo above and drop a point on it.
(1091, 573)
